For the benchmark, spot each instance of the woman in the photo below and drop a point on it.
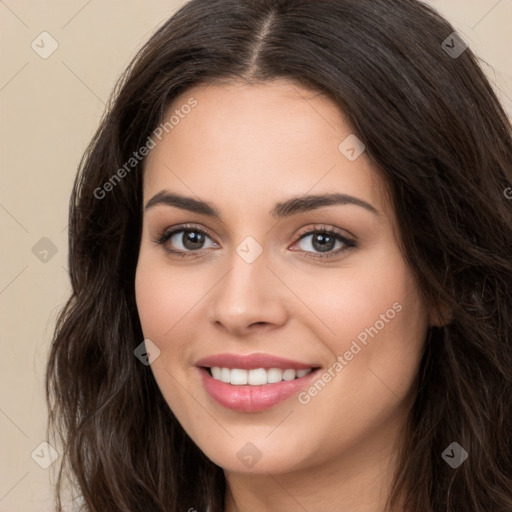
(290, 253)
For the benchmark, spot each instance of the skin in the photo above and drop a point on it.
(242, 149)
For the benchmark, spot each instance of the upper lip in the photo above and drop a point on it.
(252, 361)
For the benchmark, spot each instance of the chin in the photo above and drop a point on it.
(256, 457)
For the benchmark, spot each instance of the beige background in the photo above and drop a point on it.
(50, 108)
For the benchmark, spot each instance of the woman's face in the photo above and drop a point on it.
(265, 286)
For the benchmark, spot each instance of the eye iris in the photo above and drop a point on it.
(323, 242)
(192, 240)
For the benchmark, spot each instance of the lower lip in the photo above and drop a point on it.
(252, 398)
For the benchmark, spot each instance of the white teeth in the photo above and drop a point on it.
(238, 377)
(225, 375)
(256, 377)
(289, 375)
(274, 375)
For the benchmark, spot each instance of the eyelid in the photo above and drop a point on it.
(167, 233)
(330, 229)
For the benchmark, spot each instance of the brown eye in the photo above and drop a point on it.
(191, 240)
(184, 240)
(321, 243)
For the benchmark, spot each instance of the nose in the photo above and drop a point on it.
(248, 299)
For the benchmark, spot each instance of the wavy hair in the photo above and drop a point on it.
(437, 134)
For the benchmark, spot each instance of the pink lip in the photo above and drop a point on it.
(252, 398)
(252, 361)
(245, 398)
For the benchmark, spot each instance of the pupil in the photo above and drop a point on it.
(323, 243)
(193, 240)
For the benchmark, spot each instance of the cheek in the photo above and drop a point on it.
(374, 317)
(379, 324)
(165, 296)
(170, 303)
(349, 302)
(165, 303)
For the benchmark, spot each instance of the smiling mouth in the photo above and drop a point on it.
(256, 376)
(255, 389)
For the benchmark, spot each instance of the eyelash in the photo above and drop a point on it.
(165, 235)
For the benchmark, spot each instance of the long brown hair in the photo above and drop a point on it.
(435, 131)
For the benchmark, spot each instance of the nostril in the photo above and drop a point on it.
(259, 323)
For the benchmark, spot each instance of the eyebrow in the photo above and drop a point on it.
(292, 206)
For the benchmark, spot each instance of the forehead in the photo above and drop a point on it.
(257, 142)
